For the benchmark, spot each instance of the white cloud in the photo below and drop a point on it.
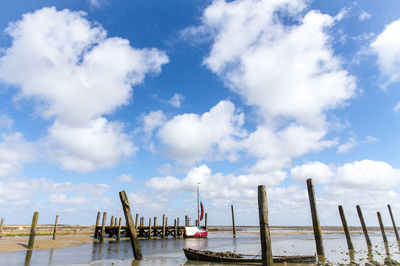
(387, 47)
(191, 137)
(298, 77)
(319, 172)
(75, 74)
(216, 186)
(176, 100)
(350, 144)
(364, 15)
(95, 3)
(396, 109)
(14, 151)
(86, 148)
(124, 178)
(5, 122)
(151, 121)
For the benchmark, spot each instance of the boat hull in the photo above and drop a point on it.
(198, 255)
(194, 232)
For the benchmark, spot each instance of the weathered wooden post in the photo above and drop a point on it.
(175, 229)
(205, 221)
(55, 228)
(132, 231)
(149, 228)
(141, 221)
(163, 226)
(97, 224)
(266, 250)
(155, 226)
(115, 221)
(137, 221)
(347, 233)
(233, 223)
(103, 227)
(385, 241)
(394, 224)
(1, 227)
(186, 220)
(177, 226)
(314, 214)
(365, 231)
(31, 241)
(197, 222)
(112, 221)
(119, 229)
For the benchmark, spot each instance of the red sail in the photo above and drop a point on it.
(202, 210)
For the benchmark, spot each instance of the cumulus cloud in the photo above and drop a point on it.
(14, 151)
(319, 172)
(124, 178)
(387, 47)
(151, 121)
(191, 137)
(288, 71)
(176, 100)
(364, 15)
(75, 74)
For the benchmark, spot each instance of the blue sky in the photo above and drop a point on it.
(155, 96)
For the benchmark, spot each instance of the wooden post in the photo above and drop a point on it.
(233, 223)
(137, 220)
(137, 252)
(115, 221)
(119, 229)
(103, 227)
(394, 224)
(175, 229)
(266, 250)
(385, 241)
(1, 227)
(177, 225)
(55, 228)
(314, 214)
(31, 241)
(197, 222)
(365, 231)
(149, 227)
(205, 221)
(112, 221)
(186, 220)
(347, 233)
(97, 224)
(163, 226)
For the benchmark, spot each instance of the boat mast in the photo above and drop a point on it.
(198, 206)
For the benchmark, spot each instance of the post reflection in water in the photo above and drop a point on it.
(51, 256)
(28, 257)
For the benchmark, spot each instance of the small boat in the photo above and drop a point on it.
(197, 231)
(211, 256)
(194, 232)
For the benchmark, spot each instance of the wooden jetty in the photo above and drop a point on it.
(143, 231)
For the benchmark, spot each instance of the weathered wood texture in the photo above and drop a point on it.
(364, 227)
(382, 227)
(103, 227)
(137, 252)
(316, 226)
(394, 224)
(32, 235)
(55, 228)
(97, 223)
(119, 229)
(205, 220)
(347, 233)
(266, 250)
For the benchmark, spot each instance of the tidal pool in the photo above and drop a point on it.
(169, 251)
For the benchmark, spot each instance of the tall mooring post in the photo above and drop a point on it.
(1, 227)
(394, 224)
(266, 250)
(365, 231)
(233, 223)
(97, 224)
(32, 234)
(205, 221)
(119, 229)
(385, 241)
(137, 252)
(347, 233)
(314, 214)
(103, 227)
(55, 228)
(163, 226)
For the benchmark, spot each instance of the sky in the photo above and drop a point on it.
(153, 97)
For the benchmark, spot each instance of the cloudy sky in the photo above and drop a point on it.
(153, 97)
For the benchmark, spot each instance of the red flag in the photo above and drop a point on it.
(202, 210)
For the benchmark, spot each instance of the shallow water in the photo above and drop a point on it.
(169, 251)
